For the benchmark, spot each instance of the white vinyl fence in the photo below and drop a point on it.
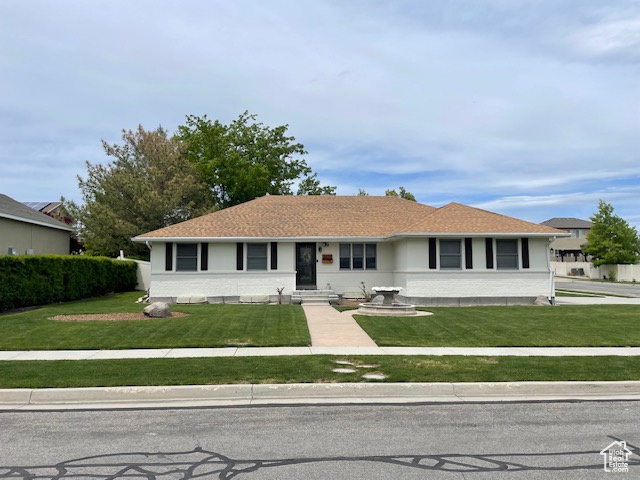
(622, 273)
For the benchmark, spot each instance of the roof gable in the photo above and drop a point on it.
(455, 218)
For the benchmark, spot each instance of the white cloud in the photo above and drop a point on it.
(610, 38)
(467, 100)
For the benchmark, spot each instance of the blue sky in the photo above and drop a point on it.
(527, 108)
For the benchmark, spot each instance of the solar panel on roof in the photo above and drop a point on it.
(37, 205)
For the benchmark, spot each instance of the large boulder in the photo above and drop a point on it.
(157, 310)
(542, 301)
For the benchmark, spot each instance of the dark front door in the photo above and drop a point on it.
(305, 266)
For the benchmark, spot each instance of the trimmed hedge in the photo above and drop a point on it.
(42, 279)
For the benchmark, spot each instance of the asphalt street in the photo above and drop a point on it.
(454, 441)
(632, 290)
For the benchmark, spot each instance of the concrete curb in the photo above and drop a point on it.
(310, 393)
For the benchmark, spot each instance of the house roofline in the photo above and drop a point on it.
(345, 238)
(482, 234)
(256, 239)
(35, 222)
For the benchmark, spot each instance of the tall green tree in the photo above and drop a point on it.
(246, 159)
(402, 194)
(611, 239)
(150, 184)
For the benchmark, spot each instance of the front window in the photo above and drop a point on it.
(186, 257)
(256, 256)
(358, 256)
(357, 259)
(507, 254)
(450, 254)
(371, 251)
(345, 256)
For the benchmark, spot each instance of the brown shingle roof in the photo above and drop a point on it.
(457, 218)
(341, 216)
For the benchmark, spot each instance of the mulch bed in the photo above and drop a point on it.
(110, 317)
(350, 302)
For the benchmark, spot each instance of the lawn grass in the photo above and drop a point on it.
(516, 326)
(312, 368)
(207, 326)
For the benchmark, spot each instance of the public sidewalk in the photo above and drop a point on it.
(288, 351)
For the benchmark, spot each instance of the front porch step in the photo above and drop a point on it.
(314, 297)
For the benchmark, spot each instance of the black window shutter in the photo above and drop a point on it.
(204, 256)
(168, 257)
(468, 253)
(489, 250)
(432, 253)
(274, 255)
(239, 256)
(525, 253)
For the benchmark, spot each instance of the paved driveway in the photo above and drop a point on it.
(600, 287)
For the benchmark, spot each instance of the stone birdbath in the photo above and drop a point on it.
(383, 303)
(388, 293)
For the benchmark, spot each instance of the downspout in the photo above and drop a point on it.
(552, 279)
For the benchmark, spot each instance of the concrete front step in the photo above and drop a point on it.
(314, 297)
(315, 301)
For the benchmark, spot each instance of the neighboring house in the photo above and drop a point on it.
(569, 249)
(24, 230)
(52, 209)
(449, 255)
(56, 210)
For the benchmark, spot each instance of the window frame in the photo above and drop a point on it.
(458, 255)
(254, 257)
(189, 256)
(502, 256)
(358, 261)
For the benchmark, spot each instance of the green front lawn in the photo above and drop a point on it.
(517, 326)
(207, 326)
(312, 368)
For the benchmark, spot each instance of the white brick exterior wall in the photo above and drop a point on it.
(349, 281)
(226, 284)
(475, 284)
(401, 262)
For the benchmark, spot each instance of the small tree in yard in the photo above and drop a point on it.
(611, 240)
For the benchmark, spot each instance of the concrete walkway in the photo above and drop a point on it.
(331, 328)
(335, 350)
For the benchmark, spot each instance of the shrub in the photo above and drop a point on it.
(42, 279)
(612, 275)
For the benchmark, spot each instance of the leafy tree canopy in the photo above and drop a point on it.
(402, 194)
(245, 159)
(390, 193)
(149, 184)
(611, 239)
